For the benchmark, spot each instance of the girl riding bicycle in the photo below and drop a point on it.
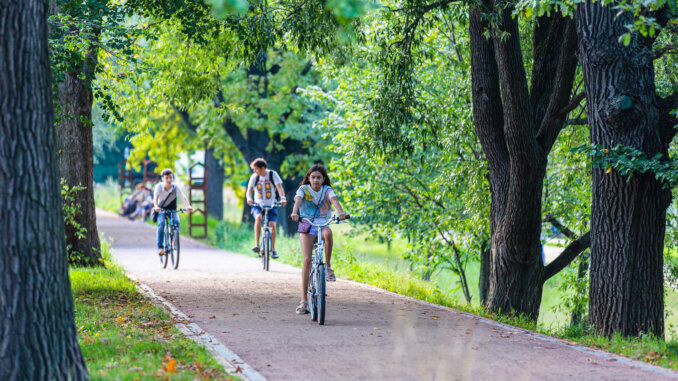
(313, 202)
(165, 198)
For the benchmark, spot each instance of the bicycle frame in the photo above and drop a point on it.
(168, 232)
(316, 278)
(266, 234)
(265, 210)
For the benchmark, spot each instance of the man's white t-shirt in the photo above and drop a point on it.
(264, 191)
(163, 194)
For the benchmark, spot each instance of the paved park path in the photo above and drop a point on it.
(369, 334)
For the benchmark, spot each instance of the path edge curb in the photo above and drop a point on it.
(224, 356)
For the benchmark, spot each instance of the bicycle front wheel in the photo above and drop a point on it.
(320, 294)
(312, 305)
(266, 252)
(175, 249)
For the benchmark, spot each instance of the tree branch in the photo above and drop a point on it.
(659, 53)
(567, 256)
(567, 232)
(574, 103)
(577, 122)
(233, 130)
(186, 118)
(558, 107)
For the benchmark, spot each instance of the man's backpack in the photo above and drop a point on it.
(270, 177)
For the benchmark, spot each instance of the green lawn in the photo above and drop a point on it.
(124, 337)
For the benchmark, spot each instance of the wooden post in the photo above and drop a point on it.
(198, 184)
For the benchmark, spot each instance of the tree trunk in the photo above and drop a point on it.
(484, 276)
(76, 154)
(506, 131)
(290, 185)
(628, 215)
(38, 336)
(74, 137)
(516, 131)
(215, 185)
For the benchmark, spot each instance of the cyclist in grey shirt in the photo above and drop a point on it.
(163, 199)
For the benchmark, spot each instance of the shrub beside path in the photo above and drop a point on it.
(368, 333)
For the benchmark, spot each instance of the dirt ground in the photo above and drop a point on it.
(368, 334)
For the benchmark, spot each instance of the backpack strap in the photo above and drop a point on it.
(171, 196)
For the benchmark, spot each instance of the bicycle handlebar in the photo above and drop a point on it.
(172, 210)
(333, 220)
(275, 205)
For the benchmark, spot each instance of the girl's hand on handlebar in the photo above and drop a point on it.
(250, 202)
(157, 209)
(343, 216)
(294, 217)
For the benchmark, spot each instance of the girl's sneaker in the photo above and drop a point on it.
(256, 249)
(330, 275)
(302, 308)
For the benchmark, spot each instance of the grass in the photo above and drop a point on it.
(125, 337)
(361, 257)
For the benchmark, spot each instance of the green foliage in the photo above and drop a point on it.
(71, 208)
(435, 191)
(630, 161)
(574, 290)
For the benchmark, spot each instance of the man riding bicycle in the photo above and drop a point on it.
(263, 184)
(165, 199)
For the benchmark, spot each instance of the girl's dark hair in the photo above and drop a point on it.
(258, 163)
(317, 168)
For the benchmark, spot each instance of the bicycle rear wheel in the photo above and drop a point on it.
(312, 306)
(175, 249)
(320, 294)
(166, 245)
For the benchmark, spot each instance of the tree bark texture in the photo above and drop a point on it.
(628, 215)
(484, 275)
(517, 128)
(215, 185)
(76, 154)
(38, 338)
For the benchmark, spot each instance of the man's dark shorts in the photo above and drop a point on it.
(272, 213)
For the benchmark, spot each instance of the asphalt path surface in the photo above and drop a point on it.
(369, 334)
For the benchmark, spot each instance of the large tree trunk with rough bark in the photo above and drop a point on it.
(38, 339)
(75, 151)
(517, 129)
(76, 165)
(628, 215)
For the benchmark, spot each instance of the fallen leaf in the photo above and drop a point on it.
(171, 366)
(238, 369)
